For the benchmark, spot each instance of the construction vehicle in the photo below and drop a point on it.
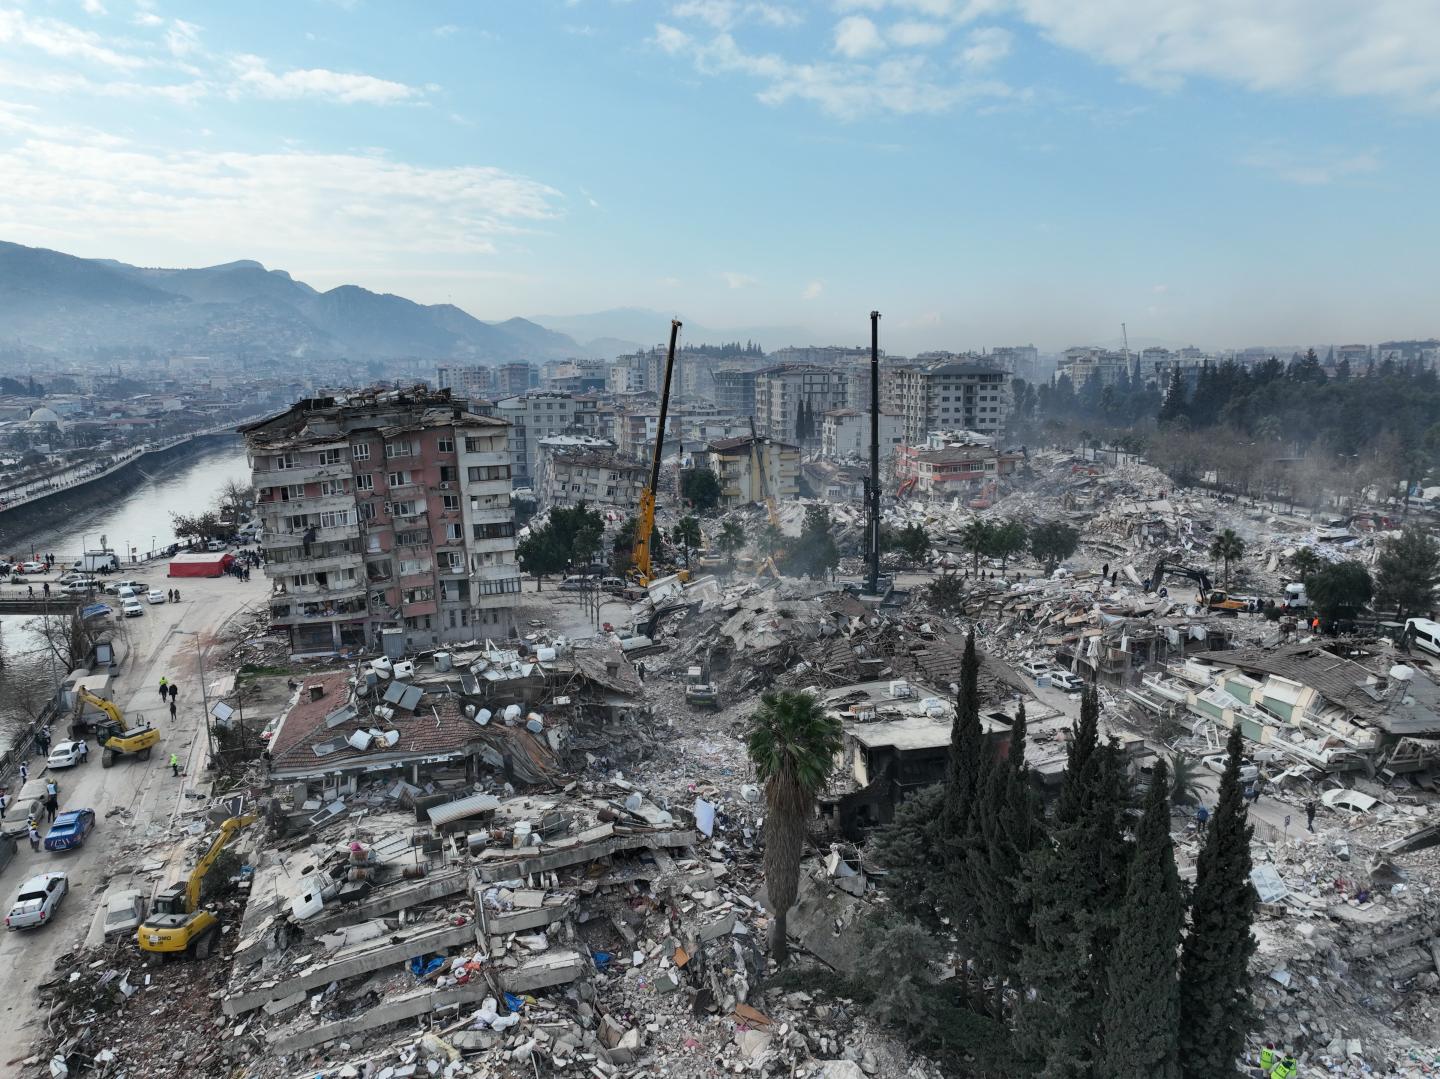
(700, 692)
(177, 924)
(906, 486)
(642, 571)
(115, 734)
(1211, 598)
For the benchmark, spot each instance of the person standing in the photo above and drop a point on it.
(164, 682)
(174, 692)
(174, 765)
(4, 802)
(24, 773)
(52, 805)
(34, 834)
(1310, 814)
(172, 710)
(84, 750)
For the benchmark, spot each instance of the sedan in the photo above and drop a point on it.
(70, 829)
(132, 608)
(80, 588)
(1036, 668)
(1249, 770)
(1070, 683)
(32, 567)
(124, 911)
(38, 899)
(155, 596)
(66, 755)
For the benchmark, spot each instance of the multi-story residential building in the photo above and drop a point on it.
(939, 468)
(385, 510)
(574, 470)
(779, 392)
(1020, 361)
(465, 381)
(1081, 365)
(515, 379)
(629, 373)
(573, 376)
(823, 355)
(730, 460)
(534, 416)
(735, 392)
(945, 396)
(845, 432)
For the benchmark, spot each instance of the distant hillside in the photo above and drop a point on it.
(619, 325)
(59, 302)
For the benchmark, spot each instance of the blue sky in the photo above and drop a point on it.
(982, 171)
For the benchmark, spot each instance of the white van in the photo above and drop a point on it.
(1424, 634)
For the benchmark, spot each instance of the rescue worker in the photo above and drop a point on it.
(1286, 1069)
(164, 688)
(174, 765)
(1267, 1058)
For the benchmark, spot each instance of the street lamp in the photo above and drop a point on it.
(204, 696)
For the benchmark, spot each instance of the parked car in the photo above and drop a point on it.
(132, 608)
(1249, 770)
(71, 577)
(1070, 683)
(65, 755)
(80, 588)
(155, 596)
(37, 901)
(69, 830)
(124, 911)
(613, 585)
(1036, 668)
(32, 567)
(216, 545)
(113, 587)
(577, 584)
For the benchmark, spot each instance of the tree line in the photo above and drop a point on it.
(1076, 950)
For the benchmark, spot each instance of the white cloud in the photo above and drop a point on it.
(670, 39)
(183, 38)
(445, 30)
(737, 280)
(93, 7)
(59, 186)
(1312, 169)
(1383, 48)
(1159, 290)
(856, 36)
(147, 18)
(62, 40)
(590, 199)
(724, 14)
(911, 33)
(813, 290)
(985, 47)
(253, 77)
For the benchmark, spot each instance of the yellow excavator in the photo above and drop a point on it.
(642, 571)
(114, 733)
(177, 924)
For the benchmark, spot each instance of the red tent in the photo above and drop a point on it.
(200, 564)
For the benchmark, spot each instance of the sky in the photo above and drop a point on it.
(983, 172)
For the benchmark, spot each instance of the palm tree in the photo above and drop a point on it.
(1185, 787)
(1227, 547)
(975, 538)
(793, 744)
(730, 540)
(687, 534)
(1304, 562)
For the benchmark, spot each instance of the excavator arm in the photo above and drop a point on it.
(110, 708)
(228, 831)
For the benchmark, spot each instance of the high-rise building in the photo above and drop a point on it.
(385, 510)
(949, 397)
(465, 381)
(735, 392)
(513, 379)
(534, 416)
(779, 392)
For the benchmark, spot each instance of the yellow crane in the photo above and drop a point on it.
(116, 736)
(177, 924)
(642, 572)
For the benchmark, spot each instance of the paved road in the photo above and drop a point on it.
(160, 644)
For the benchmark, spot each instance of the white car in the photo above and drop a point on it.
(216, 545)
(1070, 683)
(1249, 771)
(155, 596)
(132, 608)
(126, 592)
(37, 901)
(32, 567)
(1036, 668)
(80, 588)
(65, 755)
(124, 911)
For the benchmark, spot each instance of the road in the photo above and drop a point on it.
(160, 643)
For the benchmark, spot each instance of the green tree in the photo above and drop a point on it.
(539, 554)
(1141, 1013)
(814, 554)
(909, 849)
(1215, 1008)
(1227, 547)
(1053, 542)
(200, 526)
(730, 540)
(1186, 787)
(571, 535)
(1305, 562)
(701, 488)
(686, 535)
(793, 743)
(1007, 539)
(975, 538)
(913, 542)
(1340, 589)
(963, 771)
(946, 593)
(1407, 572)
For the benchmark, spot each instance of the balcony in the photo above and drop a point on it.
(300, 611)
(316, 563)
(303, 473)
(314, 592)
(277, 538)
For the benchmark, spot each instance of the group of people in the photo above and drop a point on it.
(1277, 1065)
(173, 595)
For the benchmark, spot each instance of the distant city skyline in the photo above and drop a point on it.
(984, 172)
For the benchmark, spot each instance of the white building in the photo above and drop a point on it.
(845, 432)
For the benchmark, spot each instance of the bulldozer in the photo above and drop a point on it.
(177, 924)
(700, 692)
(117, 737)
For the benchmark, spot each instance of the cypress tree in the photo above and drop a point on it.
(962, 777)
(1141, 1015)
(909, 849)
(1084, 740)
(1215, 1008)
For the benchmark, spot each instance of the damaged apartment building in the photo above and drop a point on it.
(386, 510)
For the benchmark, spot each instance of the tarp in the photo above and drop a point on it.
(200, 564)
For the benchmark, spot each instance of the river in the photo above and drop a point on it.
(137, 520)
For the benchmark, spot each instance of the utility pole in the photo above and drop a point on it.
(872, 524)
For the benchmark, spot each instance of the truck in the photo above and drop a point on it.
(96, 562)
(1295, 597)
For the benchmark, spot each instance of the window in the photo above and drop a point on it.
(297, 523)
(477, 445)
(335, 519)
(411, 566)
(398, 449)
(498, 588)
(415, 537)
(447, 473)
(417, 595)
(498, 530)
(367, 511)
(456, 561)
(480, 473)
(398, 479)
(453, 532)
(450, 502)
(360, 451)
(365, 482)
(329, 457)
(445, 445)
(400, 509)
(285, 460)
(334, 487)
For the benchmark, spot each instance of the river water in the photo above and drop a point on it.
(137, 520)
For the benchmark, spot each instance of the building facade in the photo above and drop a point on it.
(534, 416)
(385, 510)
(731, 460)
(946, 396)
(596, 476)
(779, 392)
(735, 392)
(937, 469)
(845, 432)
(465, 381)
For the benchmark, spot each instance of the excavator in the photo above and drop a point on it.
(177, 924)
(757, 470)
(642, 570)
(1214, 599)
(116, 736)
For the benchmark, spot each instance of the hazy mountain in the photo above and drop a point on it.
(58, 302)
(627, 324)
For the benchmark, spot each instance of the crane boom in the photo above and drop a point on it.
(646, 523)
